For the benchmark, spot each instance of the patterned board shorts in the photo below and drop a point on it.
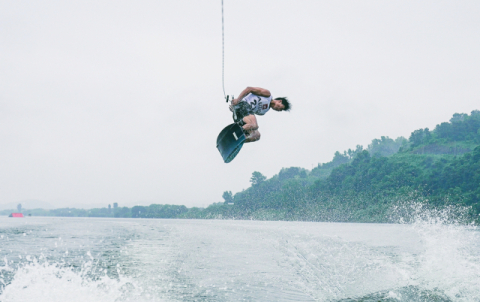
(242, 109)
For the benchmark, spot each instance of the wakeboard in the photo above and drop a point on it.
(230, 141)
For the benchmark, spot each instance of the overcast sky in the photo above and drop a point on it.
(121, 101)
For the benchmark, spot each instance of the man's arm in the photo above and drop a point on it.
(255, 90)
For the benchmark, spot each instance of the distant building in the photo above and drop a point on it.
(18, 215)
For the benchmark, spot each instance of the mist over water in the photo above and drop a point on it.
(429, 255)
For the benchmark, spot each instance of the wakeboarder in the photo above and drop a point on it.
(255, 101)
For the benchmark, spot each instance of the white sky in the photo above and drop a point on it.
(121, 101)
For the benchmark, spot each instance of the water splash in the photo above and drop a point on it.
(451, 257)
(35, 281)
(420, 211)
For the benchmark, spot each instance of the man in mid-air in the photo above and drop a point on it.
(255, 100)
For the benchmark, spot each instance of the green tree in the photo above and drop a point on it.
(292, 172)
(139, 211)
(124, 212)
(385, 146)
(228, 197)
(419, 137)
(257, 178)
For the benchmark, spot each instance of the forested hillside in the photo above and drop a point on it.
(441, 166)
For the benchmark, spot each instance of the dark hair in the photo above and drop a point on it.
(285, 103)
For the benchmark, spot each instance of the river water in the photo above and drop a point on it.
(94, 259)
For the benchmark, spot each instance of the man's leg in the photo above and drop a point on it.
(251, 128)
(252, 136)
(250, 123)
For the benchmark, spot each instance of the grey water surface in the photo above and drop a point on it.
(99, 259)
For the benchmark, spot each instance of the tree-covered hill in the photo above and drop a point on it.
(441, 166)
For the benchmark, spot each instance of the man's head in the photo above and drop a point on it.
(280, 104)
